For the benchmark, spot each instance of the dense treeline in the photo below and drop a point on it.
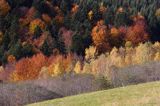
(28, 27)
(42, 67)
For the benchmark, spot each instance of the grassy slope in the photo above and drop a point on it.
(135, 95)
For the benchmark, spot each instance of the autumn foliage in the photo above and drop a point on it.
(61, 65)
(74, 8)
(76, 36)
(36, 23)
(59, 19)
(123, 57)
(46, 18)
(1, 37)
(137, 33)
(40, 66)
(102, 8)
(90, 15)
(28, 68)
(11, 59)
(28, 17)
(100, 35)
(4, 7)
(114, 32)
(90, 53)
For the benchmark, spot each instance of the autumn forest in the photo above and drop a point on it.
(55, 37)
(76, 46)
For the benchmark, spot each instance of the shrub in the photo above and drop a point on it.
(103, 82)
(135, 74)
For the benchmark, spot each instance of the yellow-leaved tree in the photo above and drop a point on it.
(143, 53)
(36, 23)
(90, 53)
(78, 67)
(90, 15)
(115, 58)
(57, 67)
(157, 56)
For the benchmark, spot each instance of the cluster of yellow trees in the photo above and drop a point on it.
(121, 57)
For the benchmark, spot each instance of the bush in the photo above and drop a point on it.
(12, 94)
(71, 84)
(103, 82)
(135, 74)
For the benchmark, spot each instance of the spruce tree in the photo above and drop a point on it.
(16, 50)
(46, 49)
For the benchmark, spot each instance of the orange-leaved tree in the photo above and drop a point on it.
(59, 19)
(74, 8)
(28, 68)
(1, 36)
(137, 33)
(30, 16)
(4, 7)
(46, 18)
(100, 36)
(11, 59)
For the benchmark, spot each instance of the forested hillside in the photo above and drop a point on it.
(54, 37)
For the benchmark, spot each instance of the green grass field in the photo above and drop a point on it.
(136, 95)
